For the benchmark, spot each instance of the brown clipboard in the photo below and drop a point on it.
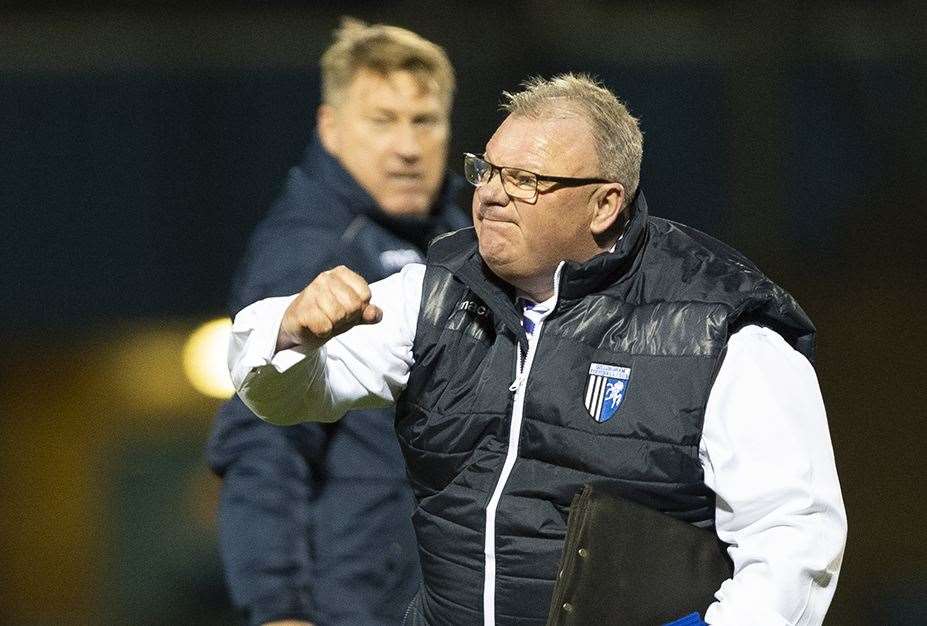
(625, 563)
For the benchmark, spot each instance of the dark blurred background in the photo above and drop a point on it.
(141, 144)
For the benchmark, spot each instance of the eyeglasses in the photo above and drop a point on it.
(517, 183)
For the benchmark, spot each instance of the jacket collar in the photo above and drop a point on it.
(445, 212)
(596, 274)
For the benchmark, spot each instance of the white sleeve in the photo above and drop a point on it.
(365, 367)
(767, 455)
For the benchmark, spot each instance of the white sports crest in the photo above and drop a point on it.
(395, 260)
(606, 389)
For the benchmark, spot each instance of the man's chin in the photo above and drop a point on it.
(498, 258)
(406, 204)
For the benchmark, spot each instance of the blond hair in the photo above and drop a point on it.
(618, 138)
(383, 49)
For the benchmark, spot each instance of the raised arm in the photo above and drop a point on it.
(336, 346)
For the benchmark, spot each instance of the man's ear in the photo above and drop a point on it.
(326, 122)
(609, 202)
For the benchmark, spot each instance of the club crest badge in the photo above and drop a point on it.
(606, 389)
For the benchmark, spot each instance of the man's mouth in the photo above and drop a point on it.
(405, 177)
(490, 216)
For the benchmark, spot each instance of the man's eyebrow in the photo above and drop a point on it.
(378, 110)
(487, 158)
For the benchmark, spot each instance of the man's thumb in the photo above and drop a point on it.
(372, 314)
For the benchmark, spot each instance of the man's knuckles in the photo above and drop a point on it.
(330, 318)
(332, 303)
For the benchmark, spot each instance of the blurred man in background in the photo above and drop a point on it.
(315, 519)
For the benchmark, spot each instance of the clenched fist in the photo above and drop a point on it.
(334, 302)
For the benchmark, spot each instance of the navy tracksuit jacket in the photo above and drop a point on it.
(314, 519)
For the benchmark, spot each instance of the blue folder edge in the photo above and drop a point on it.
(692, 619)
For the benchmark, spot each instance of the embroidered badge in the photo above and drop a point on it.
(395, 260)
(606, 389)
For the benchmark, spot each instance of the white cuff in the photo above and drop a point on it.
(730, 612)
(253, 340)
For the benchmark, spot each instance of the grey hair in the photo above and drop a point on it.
(618, 138)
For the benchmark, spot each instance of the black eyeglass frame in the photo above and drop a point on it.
(569, 181)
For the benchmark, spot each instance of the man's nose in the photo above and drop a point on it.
(408, 143)
(491, 192)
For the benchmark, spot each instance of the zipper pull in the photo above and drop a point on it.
(519, 370)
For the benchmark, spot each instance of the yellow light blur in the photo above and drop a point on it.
(204, 359)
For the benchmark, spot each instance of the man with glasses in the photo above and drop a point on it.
(571, 337)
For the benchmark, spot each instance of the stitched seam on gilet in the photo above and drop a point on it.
(479, 570)
(643, 354)
(429, 413)
(430, 590)
(564, 334)
(610, 477)
(615, 435)
(418, 406)
(478, 531)
(680, 301)
(414, 445)
(516, 577)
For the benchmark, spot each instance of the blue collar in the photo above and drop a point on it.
(445, 212)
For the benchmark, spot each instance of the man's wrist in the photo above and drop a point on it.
(284, 341)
